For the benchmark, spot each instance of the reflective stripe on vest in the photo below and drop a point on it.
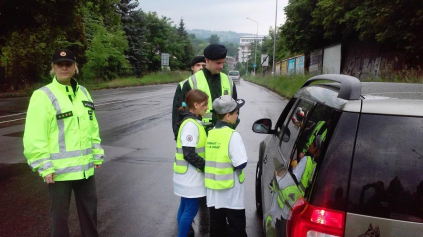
(219, 171)
(180, 165)
(199, 81)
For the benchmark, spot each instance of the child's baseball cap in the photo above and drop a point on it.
(225, 104)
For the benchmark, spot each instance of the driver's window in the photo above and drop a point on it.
(296, 120)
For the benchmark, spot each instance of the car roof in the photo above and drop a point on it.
(375, 98)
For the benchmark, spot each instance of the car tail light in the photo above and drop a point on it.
(310, 221)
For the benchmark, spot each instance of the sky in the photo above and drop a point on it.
(220, 15)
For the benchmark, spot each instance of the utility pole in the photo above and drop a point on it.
(274, 40)
(255, 58)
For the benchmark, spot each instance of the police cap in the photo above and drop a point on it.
(215, 52)
(198, 59)
(63, 55)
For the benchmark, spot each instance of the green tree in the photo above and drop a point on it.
(214, 39)
(133, 23)
(106, 46)
(188, 51)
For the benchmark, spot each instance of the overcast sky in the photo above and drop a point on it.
(225, 15)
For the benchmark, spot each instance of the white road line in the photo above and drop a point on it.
(142, 97)
(8, 121)
(10, 115)
(113, 102)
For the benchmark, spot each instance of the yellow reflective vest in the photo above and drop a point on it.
(180, 165)
(199, 81)
(61, 133)
(219, 171)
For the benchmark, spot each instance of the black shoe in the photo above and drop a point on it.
(191, 232)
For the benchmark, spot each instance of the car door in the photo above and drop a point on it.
(277, 163)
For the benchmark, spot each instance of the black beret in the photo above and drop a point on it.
(198, 59)
(215, 52)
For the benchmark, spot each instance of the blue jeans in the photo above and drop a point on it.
(186, 213)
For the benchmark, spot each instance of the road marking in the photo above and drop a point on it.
(142, 97)
(4, 116)
(8, 121)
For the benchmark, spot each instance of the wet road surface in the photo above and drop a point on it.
(134, 185)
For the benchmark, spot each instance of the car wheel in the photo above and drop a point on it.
(259, 203)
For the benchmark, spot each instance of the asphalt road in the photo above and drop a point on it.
(134, 185)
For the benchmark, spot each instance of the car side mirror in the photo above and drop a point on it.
(263, 126)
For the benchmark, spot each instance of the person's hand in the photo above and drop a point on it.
(97, 166)
(49, 178)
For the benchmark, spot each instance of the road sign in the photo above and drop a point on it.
(165, 59)
(264, 60)
(254, 65)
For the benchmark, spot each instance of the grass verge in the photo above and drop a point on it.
(150, 79)
(285, 86)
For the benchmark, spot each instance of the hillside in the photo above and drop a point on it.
(225, 36)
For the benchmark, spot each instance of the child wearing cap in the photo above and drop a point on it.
(226, 158)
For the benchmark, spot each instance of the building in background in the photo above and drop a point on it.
(246, 46)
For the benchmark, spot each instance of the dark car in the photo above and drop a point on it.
(345, 158)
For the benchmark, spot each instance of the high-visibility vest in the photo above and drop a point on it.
(219, 171)
(199, 81)
(61, 133)
(313, 135)
(305, 178)
(180, 165)
(181, 84)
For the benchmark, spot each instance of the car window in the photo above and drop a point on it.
(232, 73)
(293, 123)
(387, 172)
(311, 145)
(329, 188)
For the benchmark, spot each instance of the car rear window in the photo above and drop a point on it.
(233, 73)
(331, 185)
(387, 173)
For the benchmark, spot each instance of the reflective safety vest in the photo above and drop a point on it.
(219, 171)
(199, 81)
(61, 133)
(305, 178)
(314, 135)
(181, 84)
(180, 165)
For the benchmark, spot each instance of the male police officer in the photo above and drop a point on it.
(211, 80)
(197, 64)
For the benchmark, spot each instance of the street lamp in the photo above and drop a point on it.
(255, 58)
(274, 40)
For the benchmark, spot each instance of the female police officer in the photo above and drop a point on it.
(62, 143)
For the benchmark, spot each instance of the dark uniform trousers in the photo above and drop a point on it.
(86, 204)
(227, 222)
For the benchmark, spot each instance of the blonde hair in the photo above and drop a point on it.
(52, 69)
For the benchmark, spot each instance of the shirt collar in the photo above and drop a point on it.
(65, 88)
(221, 124)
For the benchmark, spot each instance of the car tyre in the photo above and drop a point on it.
(259, 203)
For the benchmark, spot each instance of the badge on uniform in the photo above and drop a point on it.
(88, 104)
(64, 115)
(189, 138)
(226, 92)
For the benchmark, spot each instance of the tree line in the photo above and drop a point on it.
(393, 25)
(110, 38)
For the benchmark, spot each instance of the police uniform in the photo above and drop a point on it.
(177, 99)
(62, 137)
(213, 85)
(224, 176)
